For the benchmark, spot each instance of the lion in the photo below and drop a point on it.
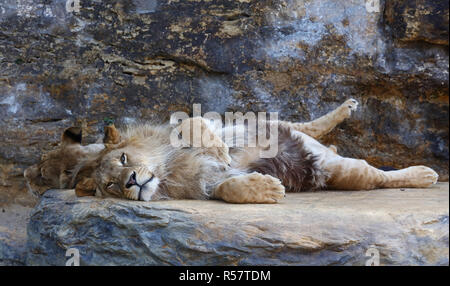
(144, 165)
(140, 163)
(58, 168)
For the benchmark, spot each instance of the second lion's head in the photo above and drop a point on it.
(131, 169)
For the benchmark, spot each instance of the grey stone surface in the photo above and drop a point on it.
(406, 227)
(13, 235)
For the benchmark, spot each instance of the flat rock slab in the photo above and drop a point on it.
(405, 227)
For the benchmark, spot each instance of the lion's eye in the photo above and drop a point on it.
(123, 159)
(109, 185)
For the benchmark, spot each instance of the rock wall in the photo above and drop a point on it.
(82, 64)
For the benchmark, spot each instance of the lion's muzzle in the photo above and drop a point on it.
(141, 184)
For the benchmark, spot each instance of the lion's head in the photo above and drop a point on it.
(131, 169)
(61, 168)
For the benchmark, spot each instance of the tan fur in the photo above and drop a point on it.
(333, 149)
(112, 136)
(86, 187)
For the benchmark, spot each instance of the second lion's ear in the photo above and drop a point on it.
(86, 187)
(72, 135)
(112, 135)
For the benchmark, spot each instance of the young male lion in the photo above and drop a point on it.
(144, 165)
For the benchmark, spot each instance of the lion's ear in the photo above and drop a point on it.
(86, 187)
(112, 135)
(72, 135)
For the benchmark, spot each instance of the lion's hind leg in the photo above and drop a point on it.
(323, 125)
(250, 188)
(333, 149)
(354, 174)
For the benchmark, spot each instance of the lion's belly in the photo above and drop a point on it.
(297, 162)
(243, 156)
(322, 152)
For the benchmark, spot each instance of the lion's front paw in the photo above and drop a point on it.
(253, 188)
(271, 189)
(349, 105)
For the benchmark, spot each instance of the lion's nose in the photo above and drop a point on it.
(132, 181)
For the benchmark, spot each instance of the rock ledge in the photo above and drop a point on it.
(408, 227)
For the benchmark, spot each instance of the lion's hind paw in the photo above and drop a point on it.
(425, 176)
(348, 107)
(351, 104)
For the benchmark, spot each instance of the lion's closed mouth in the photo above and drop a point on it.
(142, 186)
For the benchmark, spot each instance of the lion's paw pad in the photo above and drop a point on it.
(351, 104)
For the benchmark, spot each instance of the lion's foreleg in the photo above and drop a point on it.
(199, 135)
(326, 123)
(250, 188)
